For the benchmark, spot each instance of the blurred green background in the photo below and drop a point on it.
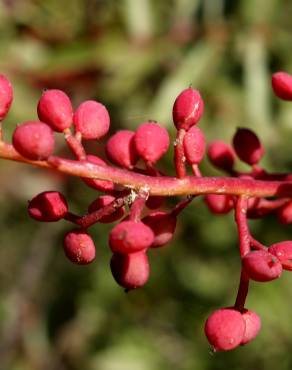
(135, 56)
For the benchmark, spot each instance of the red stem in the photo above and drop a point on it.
(242, 226)
(242, 291)
(138, 205)
(179, 155)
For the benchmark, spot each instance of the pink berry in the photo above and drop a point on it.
(221, 155)
(131, 271)
(101, 185)
(48, 206)
(151, 141)
(120, 149)
(6, 96)
(283, 251)
(284, 214)
(194, 145)
(282, 85)
(262, 266)
(130, 237)
(225, 329)
(92, 120)
(103, 201)
(55, 109)
(79, 247)
(187, 109)
(247, 146)
(252, 326)
(219, 203)
(34, 140)
(163, 226)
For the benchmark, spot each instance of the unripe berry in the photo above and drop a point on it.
(79, 247)
(283, 251)
(262, 266)
(225, 329)
(34, 140)
(194, 145)
(6, 96)
(163, 226)
(221, 155)
(120, 149)
(252, 326)
(247, 146)
(103, 201)
(187, 109)
(284, 214)
(151, 141)
(55, 109)
(101, 185)
(92, 120)
(219, 203)
(130, 237)
(48, 206)
(131, 271)
(282, 85)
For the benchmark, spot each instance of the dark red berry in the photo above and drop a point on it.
(130, 237)
(34, 140)
(225, 329)
(103, 201)
(283, 252)
(79, 247)
(221, 155)
(6, 96)
(151, 141)
(120, 149)
(262, 266)
(247, 146)
(219, 203)
(252, 326)
(55, 109)
(163, 226)
(282, 85)
(194, 145)
(48, 206)
(92, 120)
(187, 109)
(101, 185)
(131, 271)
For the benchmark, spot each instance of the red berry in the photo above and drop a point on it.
(284, 214)
(252, 326)
(101, 185)
(282, 85)
(151, 141)
(262, 266)
(187, 109)
(247, 146)
(130, 237)
(225, 329)
(55, 109)
(221, 155)
(48, 206)
(194, 145)
(163, 226)
(92, 120)
(6, 96)
(155, 201)
(219, 203)
(131, 271)
(120, 149)
(103, 201)
(79, 247)
(34, 140)
(283, 251)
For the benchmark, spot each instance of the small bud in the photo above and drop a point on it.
(247, 146)
(221, 155)
(92, 120)
(284, 213)
(187, 109)
(79, 247)
(219, 203)
(283, 251)
(103, 201)
(55, 109)
(282, 85)
(6, 96)
(252, 326)
(34, 140)
(48, 206)
(194, 145)
(101, 185)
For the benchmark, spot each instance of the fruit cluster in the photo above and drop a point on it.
(135, 191)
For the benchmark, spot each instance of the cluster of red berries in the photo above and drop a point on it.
(146, 225)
